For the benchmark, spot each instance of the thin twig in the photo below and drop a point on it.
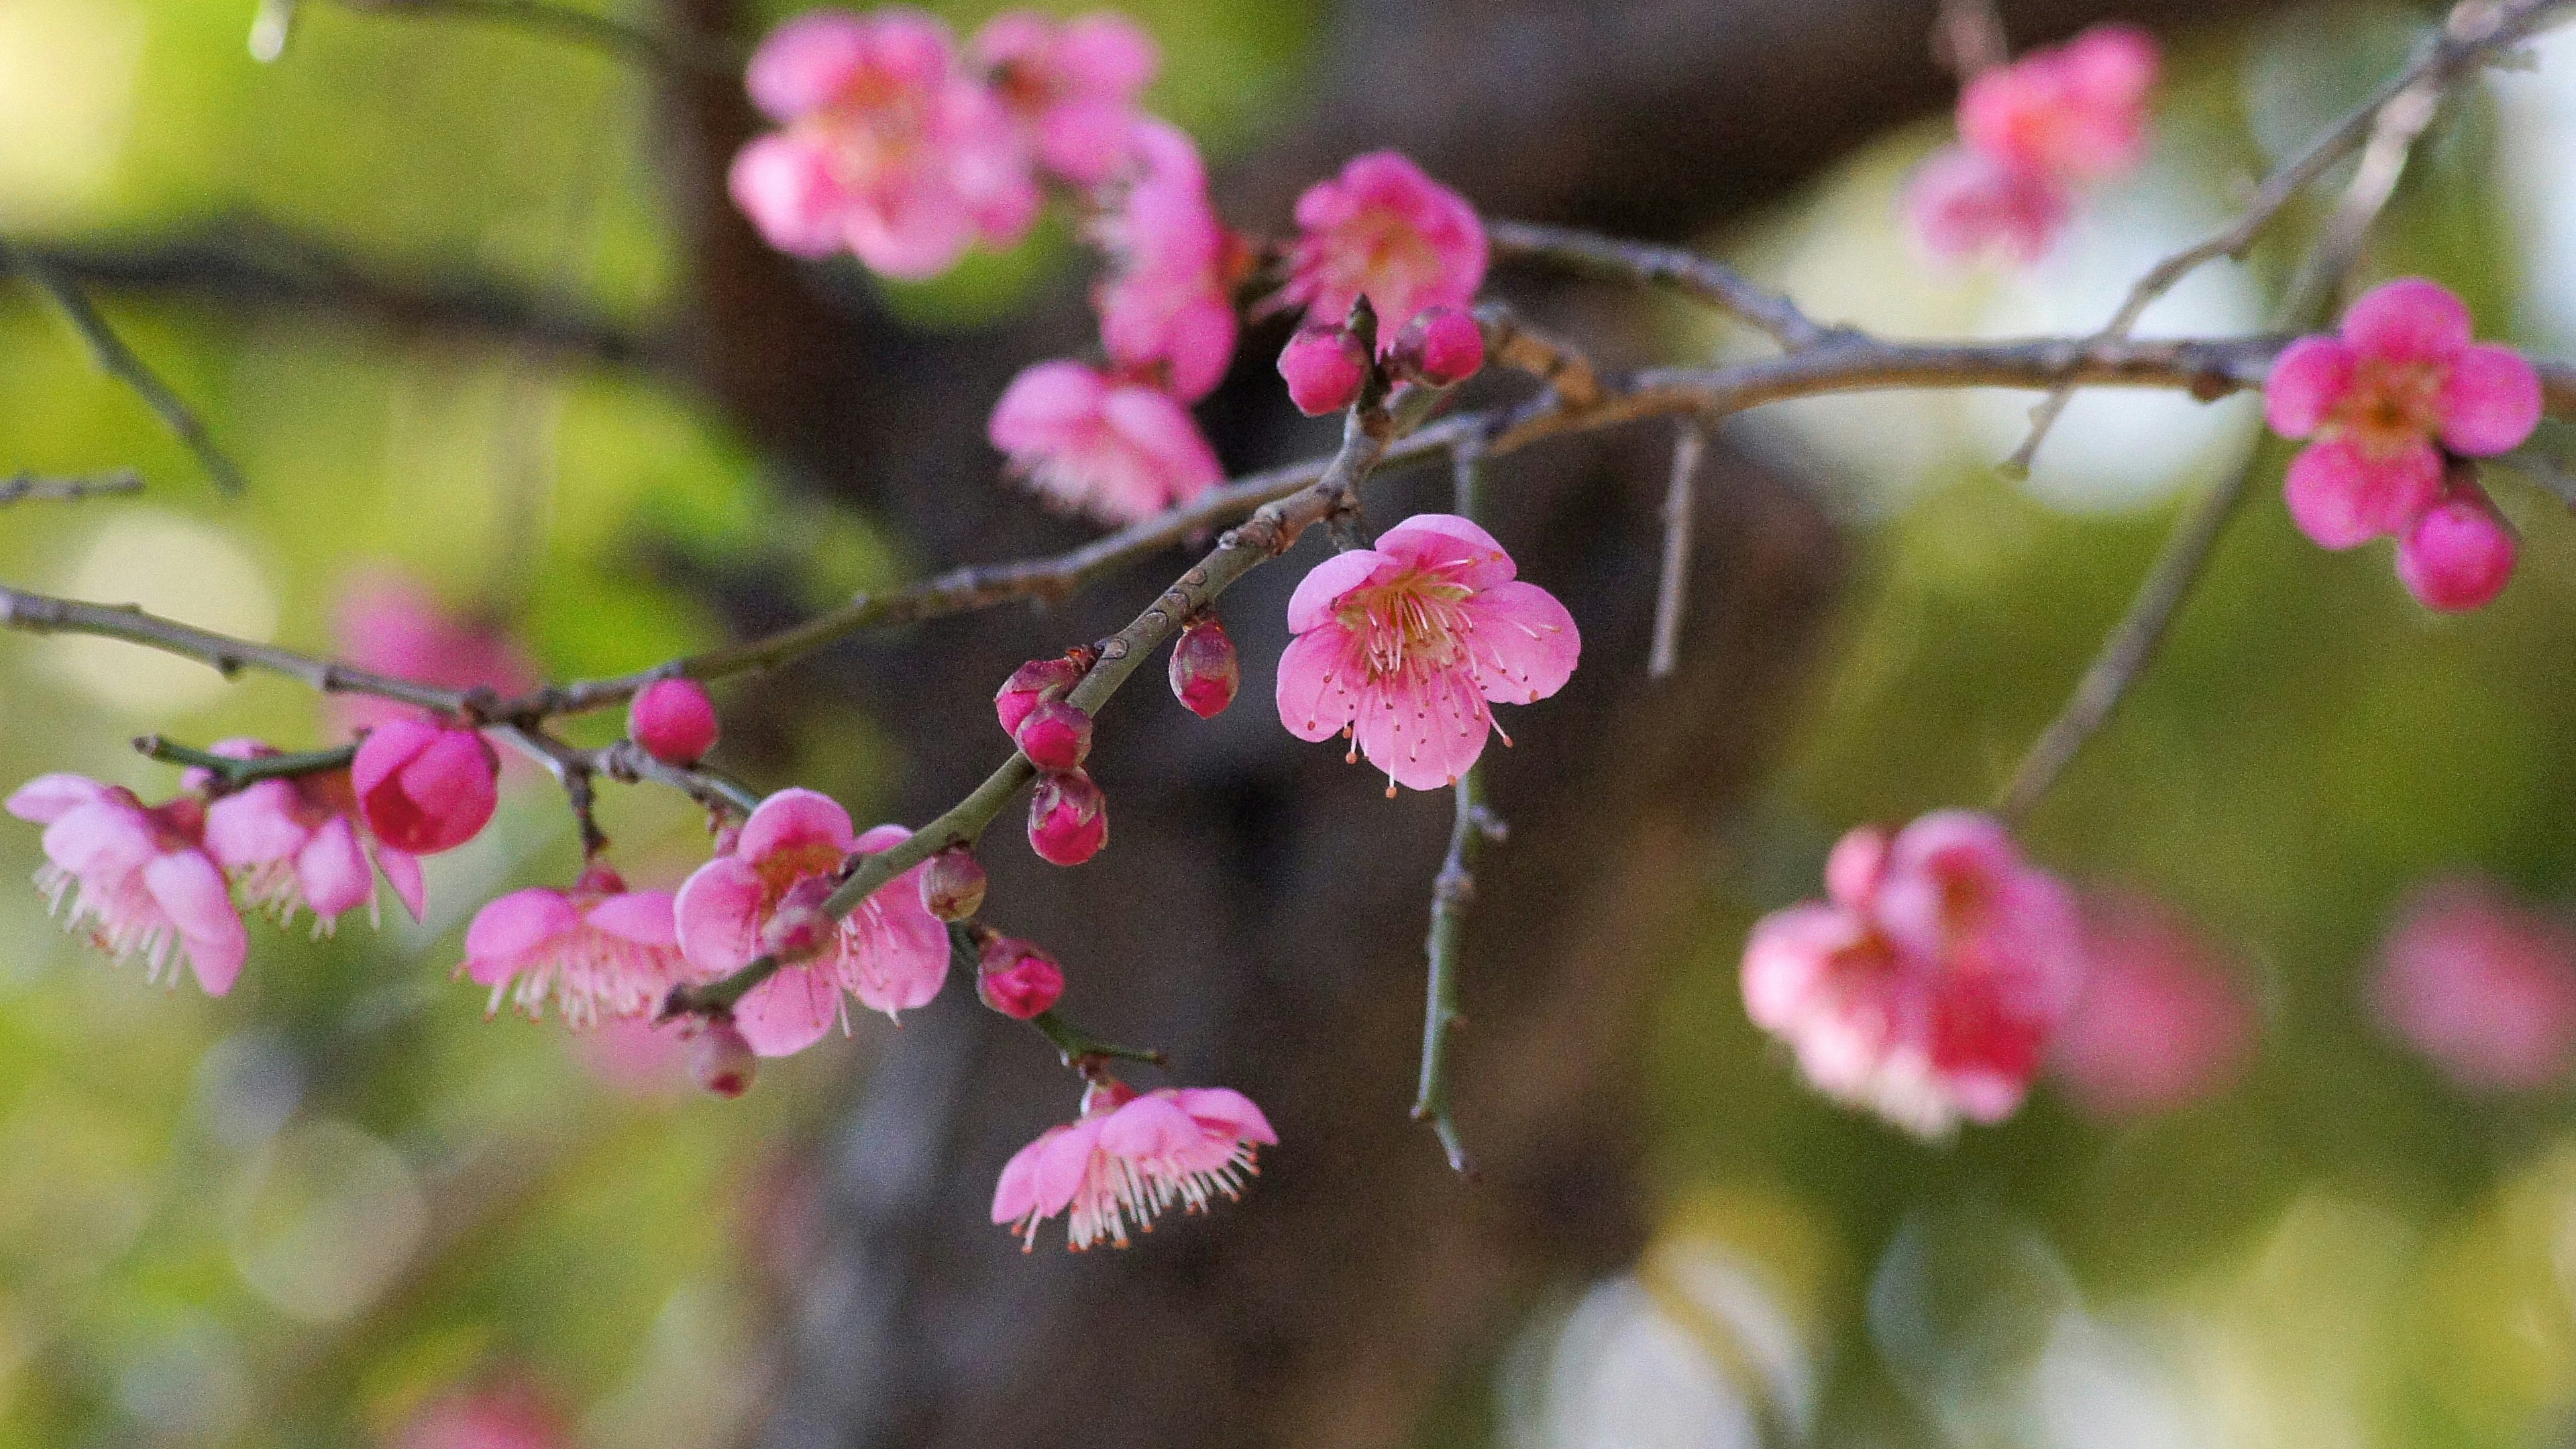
(1710, 281)
(704, 54)
(65, 490)
(1553, 361)
(1681, 503)
(120, 362)
(233, 774)
(2476, 33)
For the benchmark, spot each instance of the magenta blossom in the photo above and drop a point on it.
(2398, 385)
(1071, 85)
(890, 151)
(2484, 987)
(1167, 305)
(139, 877)
(600, 950)
(1406, 645)
(2163, 1018)
(386, 622)
(1928, 986)
(889, 952)
(1384, 229)
(424, 787)
(674, 720)
(2029, 134)
(1118, 451)
(302, 843)
(1963, 203)
(1130, 1158)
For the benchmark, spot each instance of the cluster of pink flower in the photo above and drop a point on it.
(2030, 133)
(2397, 401)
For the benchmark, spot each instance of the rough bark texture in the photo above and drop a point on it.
(1260, 910)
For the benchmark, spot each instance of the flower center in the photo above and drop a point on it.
(1410, 625)
(783, 868)
(2392, 405)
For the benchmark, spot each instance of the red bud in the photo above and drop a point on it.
(1054, 735)
(1205, 671)
(1068, 818)
(952, 884)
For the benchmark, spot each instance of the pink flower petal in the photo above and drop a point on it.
(1423, 735)
(106, 837)
(792, 819)
(1525, 644)
(255, 826)
(2340, 497)
(1320, 591)
(805, 63)
(1105, 53)
(717, 915)
(332, 869)
(402, 872)
(1857, 864)
(2491, 402)
(1317, 675)
(2308, 379)
(1465, 553)
(910, 233)
(193, 893)
(1063, 1164)
(508, 933)
(784, 183)
(646, 918)
(1015, 1195)
(2409, 319)
(787, 1013)
(1043, 403)
(1229, 1110)
(47, 798)
(1151, 1126)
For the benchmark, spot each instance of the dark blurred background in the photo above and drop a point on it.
(467, 303)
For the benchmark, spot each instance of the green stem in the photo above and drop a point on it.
(237, 773)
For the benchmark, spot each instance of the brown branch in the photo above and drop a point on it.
(65, 490)
(1681, 502)
(1687, 272)
(1558, 364)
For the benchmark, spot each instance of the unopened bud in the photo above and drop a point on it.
(673, 720)
(1441, 346)
(952, 884)
(800, 928)
(720, 1060)
(1017, 979)
(1037, 680)
(1205, 671)
(1068, 818)
(1325, 367)
(1054, 735)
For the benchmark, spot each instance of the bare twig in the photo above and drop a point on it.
(661, 50)
(2477, 32)
(233, 774)
(1557, 363)
(1710, 281)
(120, 362)
(64, 490)
(1681, 502)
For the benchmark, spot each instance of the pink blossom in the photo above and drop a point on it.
(599, 949)
(511, 1416)
(387, 623)
(889, 952)
(139, 877)
(1404, 645)
(2398, 384)
(1036, 682)
(424, 787)
(2459, 553)
(889, 151)
(1068, 818)
(1072, 85)
(1167, 305)
(300, 842)
(673, 720)
(1118, 451)
(1015, 978)
(721, 1059)
(1384, 229)
(2163, 1018)
(1205, 669)
(1056, 735)
(1325, 367)
(2483, 986)
(1441, 346)
(1130, 1158)
(2076, 111)
(1929, 984)
(1964, 204)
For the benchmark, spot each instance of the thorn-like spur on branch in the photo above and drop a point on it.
(120, 362)
(68, 490)
(1555, 362)
(232, 774)
(1689, 273)
(706, 55)
(1451, 892)
(1085, 1053)
(2477, 34)
(1681, 502)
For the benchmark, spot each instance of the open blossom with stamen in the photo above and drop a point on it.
(138, 876)
(890, 952)
(2029, 134)
(890, 151)
(1385, 229)
(1929, 984)
(2397, 386)
(1071, 85)
(1408, 644)
(599, 950)
(1117, 451)
(1130, 1158)
(301, 843)
(1167, 305)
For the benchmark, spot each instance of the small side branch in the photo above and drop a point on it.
(1689, 273)
(1552, 360)
(1451, 893)
(67, 490)
(1681, 503)
(233, 774)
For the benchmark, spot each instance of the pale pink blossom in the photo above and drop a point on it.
(597, 950)
(2399, 384)
(1167, 305)
(1385, 229)
(301, 842)
(425, 787)
(889, 151)
(1071, 85)
(889, 952)
(1927, 987)
(138, 876)
(2030, 133)
(1117, 451)
(1407, 645)
(1130, 1158)
(2163, 1018)
(388, 623)
(674, 721)
(1964, 204)
(2483, 986)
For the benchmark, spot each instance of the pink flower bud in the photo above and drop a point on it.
(1442, 346)
(801, 928)
(952, 884)
(1068, 818)
(1017, 979)
(424, 787)
(1325, 367)
(1204, 668)
(673, 720)
(2458, 555)
(1037, 680)
(1054, 735)
(720, 1060)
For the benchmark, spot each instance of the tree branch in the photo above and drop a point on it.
(1689, 273)
(65, 490)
